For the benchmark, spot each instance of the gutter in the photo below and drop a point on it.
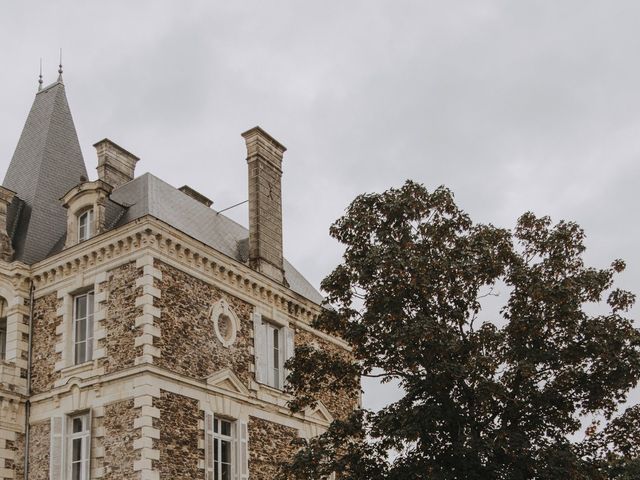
(28, 402)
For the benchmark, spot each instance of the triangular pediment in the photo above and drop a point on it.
(227, 380)
(319, 413)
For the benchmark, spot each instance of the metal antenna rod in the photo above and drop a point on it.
(229, 208)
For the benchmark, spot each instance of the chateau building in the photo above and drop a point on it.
(143, 335)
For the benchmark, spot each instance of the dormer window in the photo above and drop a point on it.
(85, 204)
(85, 225)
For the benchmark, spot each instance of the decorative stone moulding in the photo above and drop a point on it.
(225, 323)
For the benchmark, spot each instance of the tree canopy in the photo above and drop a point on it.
(499, 393)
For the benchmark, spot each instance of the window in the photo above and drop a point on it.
(83, 327)
(3, 329)
(273, 346)
(3, 338)
(274, 356)
(85, 226)
(78, 446)
(226, 452)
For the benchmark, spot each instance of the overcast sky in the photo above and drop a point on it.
(515, 105)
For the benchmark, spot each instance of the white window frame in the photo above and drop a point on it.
(237, 441)
(219, 439)
(89, 298)
(275, 355)
(85, 231)
(84, 439)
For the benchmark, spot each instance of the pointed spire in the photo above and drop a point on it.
(40, 77)
(46, 164)
(60, 67)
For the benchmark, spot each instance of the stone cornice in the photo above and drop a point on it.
(149, 232)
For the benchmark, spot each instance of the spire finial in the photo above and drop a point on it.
(40, 77)
(60, 67)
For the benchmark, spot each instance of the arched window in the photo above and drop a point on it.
(3, 328)
(85, 225)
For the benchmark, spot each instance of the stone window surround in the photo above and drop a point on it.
(64, 331)
(85, 436)
(277, 318)
(79, 200)
(238, 439)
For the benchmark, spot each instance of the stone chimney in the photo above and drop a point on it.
(116, 166)
(6, 250)
(264, 157)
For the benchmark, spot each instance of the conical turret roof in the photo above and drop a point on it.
(47, 163)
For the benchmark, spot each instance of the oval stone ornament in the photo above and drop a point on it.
(225, 323)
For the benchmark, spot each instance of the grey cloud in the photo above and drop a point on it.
(514, 105)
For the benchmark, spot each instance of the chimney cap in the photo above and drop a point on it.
(257, 130)
(187, 190)
(118, 147)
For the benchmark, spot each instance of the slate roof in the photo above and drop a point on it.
(148, 195)
(46, 164)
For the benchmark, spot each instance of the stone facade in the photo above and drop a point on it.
(188, 344)
(178, 423)
(45, 323)
(140, 378)
(39, 451)
(121, 312)
(270, 445)
(148, 416)
(119, 435)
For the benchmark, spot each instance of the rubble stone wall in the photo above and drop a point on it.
(44, 356)
(179, 435)
(188, 344)
(269, 446)
(38, 452)
(120, 321)
(119, 435)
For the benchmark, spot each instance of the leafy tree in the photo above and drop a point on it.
(486, 395)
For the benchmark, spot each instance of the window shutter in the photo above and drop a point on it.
(235, 432)
(260, 348)
(56, 448)
(289, 346)
(208, 446)
(243, 451)
(89, 442)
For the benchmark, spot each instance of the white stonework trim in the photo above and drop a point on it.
(119, 386)
(16, 313)
(97, 454)
(6, 454)
(150, 329)
(144, 391)
(10, 376)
